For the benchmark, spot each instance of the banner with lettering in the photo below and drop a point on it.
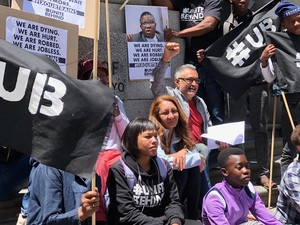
(58, 120)
(145, 35)
(233, 58)
(286, 60)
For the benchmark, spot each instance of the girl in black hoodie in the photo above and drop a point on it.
(153, 197)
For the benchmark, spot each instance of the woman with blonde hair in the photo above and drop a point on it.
(178, 148)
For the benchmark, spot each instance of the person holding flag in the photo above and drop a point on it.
(256, 99)
(59, 197)
(112, 152)
(284, 67)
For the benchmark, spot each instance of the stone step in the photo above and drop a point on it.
(250, 148)
(264, 195)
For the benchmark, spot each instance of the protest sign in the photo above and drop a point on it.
(145, 34)
(55, 39)
(71, 11)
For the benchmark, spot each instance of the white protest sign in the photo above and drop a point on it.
(71, 11)
(143, 57)
(145, 33)
(39, 38)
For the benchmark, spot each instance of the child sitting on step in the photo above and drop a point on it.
(230, 201)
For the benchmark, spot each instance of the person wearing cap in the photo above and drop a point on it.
(148, 31)
(85, 71)
(289, 15)
(112, 151)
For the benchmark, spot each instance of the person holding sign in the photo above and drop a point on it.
(149, 32)
(200, 27)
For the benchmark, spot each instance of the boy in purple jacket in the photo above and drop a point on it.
(230, 201)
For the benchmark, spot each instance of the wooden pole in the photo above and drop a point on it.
(108, 44)
(288, 110)
(96, 37)
(95, 68)
(122, 6)
(272, 153)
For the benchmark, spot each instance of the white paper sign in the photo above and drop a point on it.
(145, 54)
(231, 133)
(39, 38)
(71, 11)
(143, 57)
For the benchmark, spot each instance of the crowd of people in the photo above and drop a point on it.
(155, 170)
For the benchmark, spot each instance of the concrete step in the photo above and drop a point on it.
(250, 148)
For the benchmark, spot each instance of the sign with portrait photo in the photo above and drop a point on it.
(145, 27)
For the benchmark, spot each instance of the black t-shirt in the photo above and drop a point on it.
(193, 12)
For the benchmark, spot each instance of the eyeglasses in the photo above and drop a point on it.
(190, 80)
(150, 23)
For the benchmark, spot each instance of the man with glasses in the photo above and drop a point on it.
(187, 83)
(148, 33)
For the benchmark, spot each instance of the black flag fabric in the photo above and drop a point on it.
(58, 120)
(233, 58)
(286, 60)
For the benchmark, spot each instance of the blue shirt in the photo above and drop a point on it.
(55, 196)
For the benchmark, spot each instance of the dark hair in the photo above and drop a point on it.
(146, 13)
(295, 136)
(131, 133)
(224, 155)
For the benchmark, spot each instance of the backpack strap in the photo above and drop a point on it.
(162, 168)
(130, 177)
(215, 191)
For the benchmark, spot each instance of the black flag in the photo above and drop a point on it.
(233, 58)
(58, 120)
(286, 60)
